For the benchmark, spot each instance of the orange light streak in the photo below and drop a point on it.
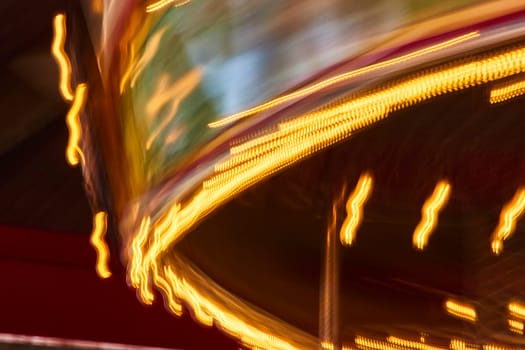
(461, 310)
(57, 50)
(503, 92)
(99, 244)
(510, 213)
(459, 344)
(429, 214)
(517, 310)
(354, 209)
(516, 326)
(158, 5)
(368, 343)
(73, 152)
(412, 344)
(326, 345)
(170, 95)
(209, 313)
(150, 50)
(340, 78)
(498, 347)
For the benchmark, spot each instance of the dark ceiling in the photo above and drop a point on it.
(37, 187)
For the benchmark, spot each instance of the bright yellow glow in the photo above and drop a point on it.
(73, 152)
(340, 78)
(517, 310)
(459, 344)
(99, 244)
(507, 91)
(497, 347)
(354, 209)
(516, 326)
(461, 310)
(158, 5)
(429, 214)
(138, 266)
(57, 50)
(290, 142)
(507, 220)
(412, 344)
(368, 343)
(327, 345)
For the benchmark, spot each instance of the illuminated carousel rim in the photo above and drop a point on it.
(184, 282)
(252, 161)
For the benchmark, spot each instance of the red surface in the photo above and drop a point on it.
(49, 288)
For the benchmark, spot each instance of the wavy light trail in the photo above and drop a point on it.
(99, 244)
(510, 214)
(354, 209)
(429, 214)
(57, 50)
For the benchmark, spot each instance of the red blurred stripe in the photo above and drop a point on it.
(49, 288)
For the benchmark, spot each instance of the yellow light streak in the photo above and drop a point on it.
(516, 309)
(348, 347)
(498, 347)
(516, 326)
(135, 68)
(429, 214)
(158, 5)
(510, 213)
(138, 266)
(319, 129)
(340, 78)
(73, 152)
(57, 50)
(172, 301)
(461, 310)
(296, 139)
(173, 305)
(354, 209)
(412, 344)
(99, 244)
(503, 92)
(209, 313)
(327, 345)
(368, 343)
(459, 344)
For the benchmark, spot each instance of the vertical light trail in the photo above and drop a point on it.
(429, 214)
(73, 151)
(329, 288)
(57, 50)
(99, 244)
(510, 214)
(354, 209)
(139, 266)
